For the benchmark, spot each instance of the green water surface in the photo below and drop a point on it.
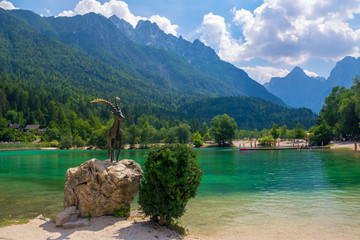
(237, 187)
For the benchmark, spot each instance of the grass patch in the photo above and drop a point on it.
(11, 221)
(4, 146)
(175, 226)
(123, 212)
(344, 148)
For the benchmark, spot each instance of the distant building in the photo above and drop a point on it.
(17, 126)
(30, 127)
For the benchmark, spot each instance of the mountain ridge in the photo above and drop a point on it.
(198, 55)
(300, 90)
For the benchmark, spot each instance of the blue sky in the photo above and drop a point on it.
(266, 38)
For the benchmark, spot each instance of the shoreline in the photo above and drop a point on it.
(346, 145)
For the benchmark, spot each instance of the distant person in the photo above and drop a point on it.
(355, 145)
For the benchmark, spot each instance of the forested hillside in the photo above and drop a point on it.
(100, 38)
(249, 113)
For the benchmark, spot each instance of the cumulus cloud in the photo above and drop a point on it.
(7, 5)
(289, 31)
(67, 14)
(164, 24)
(121, 10)
(310, 74)
(264, 74)
(215, 32)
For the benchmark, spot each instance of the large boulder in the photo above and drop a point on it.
(99, 188)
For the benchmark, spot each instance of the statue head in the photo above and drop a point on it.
(116, 111)
(118, 114)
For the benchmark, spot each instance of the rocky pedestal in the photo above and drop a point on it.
(97, 188)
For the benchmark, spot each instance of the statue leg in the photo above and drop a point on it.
(109, 148)
(119, 149)
(119, 140)
(113, 150)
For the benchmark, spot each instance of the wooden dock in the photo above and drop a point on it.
(281, 148)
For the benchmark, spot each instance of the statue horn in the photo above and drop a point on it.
(106, 102)
(116, 104)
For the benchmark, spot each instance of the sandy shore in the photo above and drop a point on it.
(136, 228)
(106, 227)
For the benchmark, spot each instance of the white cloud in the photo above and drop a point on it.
(121, 10)
(216, 34)
(67, 14)
(164, 24)
(7, 5)
(287, 31)
(311, 74)
(264, 74)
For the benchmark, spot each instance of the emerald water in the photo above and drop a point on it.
(238, 188)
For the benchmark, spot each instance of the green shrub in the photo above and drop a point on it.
(98, 138)
(171, 177)
(264, 140)
(66, 141)
(321, 134)
(197, 140)
(77, 141)
(123, 212)
(54, 143)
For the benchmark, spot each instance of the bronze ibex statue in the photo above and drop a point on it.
(114, 135)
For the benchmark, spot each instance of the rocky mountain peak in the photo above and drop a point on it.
(297, 71)
(344, 72)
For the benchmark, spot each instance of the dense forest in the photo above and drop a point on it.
(249, 113)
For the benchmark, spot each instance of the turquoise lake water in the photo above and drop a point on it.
(238, 188)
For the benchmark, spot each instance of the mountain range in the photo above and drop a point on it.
(63, 62)
(300, 90)
(197, 71)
